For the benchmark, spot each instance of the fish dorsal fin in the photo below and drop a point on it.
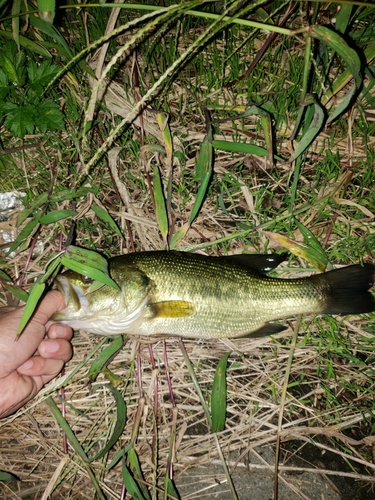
(263, 263)
(172, 309)
(265, 330)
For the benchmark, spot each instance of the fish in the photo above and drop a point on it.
(174, 293)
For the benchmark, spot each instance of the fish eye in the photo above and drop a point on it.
(86, 279)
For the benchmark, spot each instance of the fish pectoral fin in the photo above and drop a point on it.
(172, 309)
(266, 330)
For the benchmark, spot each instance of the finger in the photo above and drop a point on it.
(52, 302)
(59, 331)
(56, 349)
(37, 367)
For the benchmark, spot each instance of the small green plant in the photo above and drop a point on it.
(24, 109)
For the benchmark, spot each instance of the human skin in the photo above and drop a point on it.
(38, 355)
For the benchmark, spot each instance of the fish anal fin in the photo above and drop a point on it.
(266, 330)
(172, 309)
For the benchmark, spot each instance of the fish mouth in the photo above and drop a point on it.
(73, 297)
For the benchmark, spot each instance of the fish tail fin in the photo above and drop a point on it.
(346, 290)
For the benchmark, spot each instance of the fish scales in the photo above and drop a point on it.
(191, 295)
(248, 299)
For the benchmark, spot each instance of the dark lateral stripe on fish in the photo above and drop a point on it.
(346, 290)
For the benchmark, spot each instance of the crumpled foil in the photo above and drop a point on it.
(9, 202)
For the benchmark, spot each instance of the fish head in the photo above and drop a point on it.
(99, 308)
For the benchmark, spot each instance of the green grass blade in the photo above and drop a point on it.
(107, 219)
(104, 357)
(16, 291)
(343, 17)
(239, 147)
(25, 233)
(313, 129)
(336, 42)
(130, 484)
(47, 10)
(191, 371)
(56, 216)
(135, 468)
(35, 294)
(178, 236)
(219, 396)
(203, 173)
(7, 476)
(160, 208)
(27, 44)
(74, 442)
(120, 421)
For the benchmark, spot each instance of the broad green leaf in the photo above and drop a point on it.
(40, 76)
(56, 216)
(35, 293)
(20, 118)
(160, 208)
(88, 263)
(4, 85)
(130, 484)
(105, 217)
(219, 395)
(313, 129)
(49, 116)
(120, 421)
(105, 357)
(12, 61)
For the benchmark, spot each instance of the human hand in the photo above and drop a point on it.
(39, 354)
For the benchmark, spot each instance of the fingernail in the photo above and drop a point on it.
(51, 346)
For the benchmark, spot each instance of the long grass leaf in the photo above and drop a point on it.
(75, 443)
(104, 357)
(219, 395)
(313, 129)
(120, 421)
(131, 485)
(25, 233)
(160, 208)
(135, 468)
(57, 215)
(106, 217)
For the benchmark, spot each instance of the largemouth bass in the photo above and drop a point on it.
(191, 295)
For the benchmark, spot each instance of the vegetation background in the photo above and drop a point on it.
(213, 126)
